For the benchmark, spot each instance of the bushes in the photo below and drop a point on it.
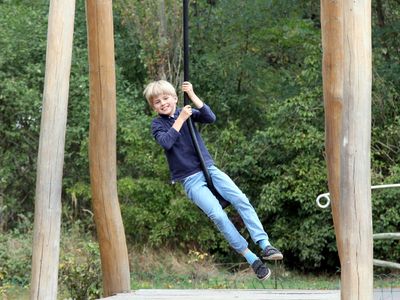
(159, 214)
(386, 217)
(258, 68)
(80, 271)
(21, 75)
(15, 258)
(79, 264)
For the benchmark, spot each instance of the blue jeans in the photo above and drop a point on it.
(196, 188)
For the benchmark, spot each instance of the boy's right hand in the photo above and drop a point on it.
(186, 112)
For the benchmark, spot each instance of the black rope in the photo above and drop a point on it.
(189, 121)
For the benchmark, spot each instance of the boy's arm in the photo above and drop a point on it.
(167, 137)
(188, 89)
(185, 113)
(204, 114)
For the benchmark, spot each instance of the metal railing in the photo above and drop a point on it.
(328, 199)
(376, 236)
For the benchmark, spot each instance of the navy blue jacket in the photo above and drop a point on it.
(178, 147)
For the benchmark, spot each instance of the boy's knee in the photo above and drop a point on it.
(217, 216)
(242, 199)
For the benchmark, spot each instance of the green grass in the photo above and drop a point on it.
(245, 281)
(230, 281)
(10, 292)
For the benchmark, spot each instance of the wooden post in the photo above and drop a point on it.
(46, 240)
(332, 73)
(102, 148)
(355, 183)
(347, 25)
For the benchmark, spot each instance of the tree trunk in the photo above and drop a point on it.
(102, 148)
(46, 240)
(163, 40)
(380, 13)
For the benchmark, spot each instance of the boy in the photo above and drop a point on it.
(172, 133)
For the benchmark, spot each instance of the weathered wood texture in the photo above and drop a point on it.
(228, 295)
(102, 148)
(355, 181)
(347, 92)
(379, 294)
(46, 240)
(332, 72)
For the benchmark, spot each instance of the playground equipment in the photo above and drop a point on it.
(328, 199)
(102, 150)
(346, 40)
(347, 80)
(376, 236)
(46, 240)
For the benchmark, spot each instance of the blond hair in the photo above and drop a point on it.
(156, 88)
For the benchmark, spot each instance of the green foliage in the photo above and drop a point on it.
(79, 269)
(158, 214)
(156, 25)
(385, 90)
(79, 208)
(21, 75)
(386, 217)
(15, 258)
(80, 272)
(247, 56)
(258, 65)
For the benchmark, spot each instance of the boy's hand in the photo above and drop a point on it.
(186, 112)
(187, 88)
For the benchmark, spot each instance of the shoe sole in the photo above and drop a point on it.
(277, 256)
(266, 276)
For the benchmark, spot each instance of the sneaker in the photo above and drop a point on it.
(271, 253)
(261, 270)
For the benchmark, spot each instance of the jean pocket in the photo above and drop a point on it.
(187, 179)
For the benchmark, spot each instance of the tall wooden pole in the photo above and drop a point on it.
(348, 125)
(102, 148)
(46, 240)
(355, 183)
(332, 72)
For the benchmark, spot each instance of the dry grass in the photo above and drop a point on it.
(194, 263)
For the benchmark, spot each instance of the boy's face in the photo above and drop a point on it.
(165, 104)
